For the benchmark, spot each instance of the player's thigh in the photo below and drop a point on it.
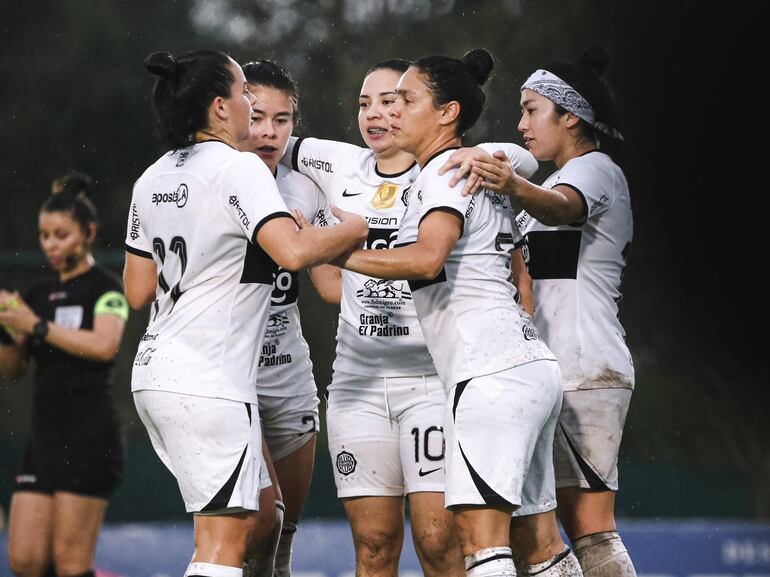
(30, 529)
(585, 512)
(295, 472)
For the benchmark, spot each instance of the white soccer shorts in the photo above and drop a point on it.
(500, 439)
(588, 437)
(386, 435)
(212, 446)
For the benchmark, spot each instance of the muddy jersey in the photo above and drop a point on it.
(285, 369)
(471, 323)
(196, 212)
(576, 272)
(379, 333)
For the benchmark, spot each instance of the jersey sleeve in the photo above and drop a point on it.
(320, 159)
(436, 194)
(590, 180)
(250, 194)
(137, 241)
(521, 159)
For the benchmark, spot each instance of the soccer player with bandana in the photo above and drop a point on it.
(72, 327)
(580, 226)
(385, 411)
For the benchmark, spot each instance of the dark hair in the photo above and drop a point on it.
(185, 88)
(587, 76)
(395, 64)
(268, 73)
(68, 194)
(461, 80)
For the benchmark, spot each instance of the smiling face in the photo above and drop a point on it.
(63, 240)
(414, 121)
(272, 124)
(542, 127)
(378, 93)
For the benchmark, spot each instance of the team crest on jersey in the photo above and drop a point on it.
(529, 331)
(346, 463)
(405, 196)
(385, 197)
(384, 289)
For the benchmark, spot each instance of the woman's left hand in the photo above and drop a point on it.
(16, 314)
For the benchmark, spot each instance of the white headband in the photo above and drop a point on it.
(562, 94)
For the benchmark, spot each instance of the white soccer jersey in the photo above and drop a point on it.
(196, 212)
(285, 369)
(379, 333)
(471, 323)
(576, 272)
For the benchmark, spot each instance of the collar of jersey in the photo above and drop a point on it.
(442, 151)
(395, 174)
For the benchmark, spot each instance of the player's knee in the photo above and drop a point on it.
(25, 565)
(69, 558)
(377, 549)
(438, 545)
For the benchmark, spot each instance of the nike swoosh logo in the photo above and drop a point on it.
(423, 473)
(345, 193)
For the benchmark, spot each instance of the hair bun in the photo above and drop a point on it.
(74, 184)
(596, 60)
(160, 64)
(479, 62)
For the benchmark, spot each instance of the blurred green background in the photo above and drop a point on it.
(76, 97)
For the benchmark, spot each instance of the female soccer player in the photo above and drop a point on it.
(205, 230)
(288, 401)
(72, 326)
(579, 225)
(385, 412)
(504, 383)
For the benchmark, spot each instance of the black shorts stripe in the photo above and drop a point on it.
(459, 389)
(487, 493)
(553, 254)
(594, 481)
(222, 498)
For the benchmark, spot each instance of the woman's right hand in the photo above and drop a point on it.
(356, 222)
